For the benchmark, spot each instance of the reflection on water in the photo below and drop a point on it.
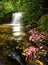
(16, 25)
(16, 22)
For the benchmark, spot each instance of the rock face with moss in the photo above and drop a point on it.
(5, 33)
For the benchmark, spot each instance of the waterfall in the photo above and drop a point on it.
(16, 23)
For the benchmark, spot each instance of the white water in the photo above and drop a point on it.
(16, 23)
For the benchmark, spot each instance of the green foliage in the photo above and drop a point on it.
(43, 22)
(33, 12)
(5, 7)
(8, 7)
(32, 8)
(1, 8)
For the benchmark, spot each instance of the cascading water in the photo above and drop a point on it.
(16, 24)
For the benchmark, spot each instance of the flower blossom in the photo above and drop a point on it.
(30, 51)
(41, 47)
(35, 36)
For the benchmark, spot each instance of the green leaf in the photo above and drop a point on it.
(8, 7)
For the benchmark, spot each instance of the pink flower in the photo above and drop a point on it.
(33, 49)
(40, 40)
(28, 53)
(36, 36)
(30, 31)
(33, 35)
(30, 38)
(33, 39)
(41, 47)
